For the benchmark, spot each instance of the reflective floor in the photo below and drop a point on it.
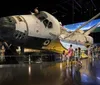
(51, 73)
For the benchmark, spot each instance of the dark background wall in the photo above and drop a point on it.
(96, 37)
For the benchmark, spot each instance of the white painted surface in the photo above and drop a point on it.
(37, 28)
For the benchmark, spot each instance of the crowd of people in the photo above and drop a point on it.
(71, 55)
(75, 54)
(94, 51)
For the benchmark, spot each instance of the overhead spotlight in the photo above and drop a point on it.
(63, 15)
(84, 11)
(95, 9)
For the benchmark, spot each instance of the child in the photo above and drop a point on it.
(64, 56)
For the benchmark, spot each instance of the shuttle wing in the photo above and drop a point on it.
(77, 36)
(87, 22)
(91, 29)
(84, 24)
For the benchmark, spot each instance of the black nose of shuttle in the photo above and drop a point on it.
(7, 23)
(7, 26)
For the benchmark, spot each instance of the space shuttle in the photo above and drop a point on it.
(40, 31)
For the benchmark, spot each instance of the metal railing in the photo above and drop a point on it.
(19, 59)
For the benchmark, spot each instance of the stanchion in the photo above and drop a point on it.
(29, 60)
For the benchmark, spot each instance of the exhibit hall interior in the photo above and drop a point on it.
(50, 42)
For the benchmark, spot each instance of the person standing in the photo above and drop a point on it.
(79, 56)
(79, 53)
(90, 52)
(63, 56)
(70, 55)
(76, 55)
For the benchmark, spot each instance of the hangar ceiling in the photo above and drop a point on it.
(66, 11)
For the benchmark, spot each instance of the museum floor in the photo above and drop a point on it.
(50, 73)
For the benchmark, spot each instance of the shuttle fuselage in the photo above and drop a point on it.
(30, 31)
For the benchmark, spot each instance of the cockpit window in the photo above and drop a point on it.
(50, 25)
(45, 22)
(19, 19)
(41, 16)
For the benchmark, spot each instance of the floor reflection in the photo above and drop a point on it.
(92, 77)
(50, 74)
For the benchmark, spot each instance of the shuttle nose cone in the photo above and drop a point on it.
(6, 22)
(7, 26)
